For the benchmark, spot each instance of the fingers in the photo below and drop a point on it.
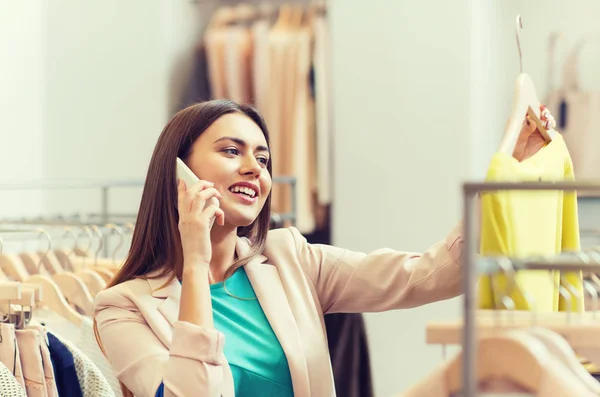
(212, 211)
(200, 199)
(546, 117)
(186, 195)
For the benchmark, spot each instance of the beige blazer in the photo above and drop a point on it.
(296, 284)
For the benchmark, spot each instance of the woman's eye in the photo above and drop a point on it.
(263, 160)
(231, 151)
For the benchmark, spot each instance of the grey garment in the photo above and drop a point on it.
(197, 88)
(89, 346)
(9, 386)
(91, 380)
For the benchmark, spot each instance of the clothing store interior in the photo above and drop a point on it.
(391, 122)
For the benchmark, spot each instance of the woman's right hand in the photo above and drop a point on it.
(195, 221)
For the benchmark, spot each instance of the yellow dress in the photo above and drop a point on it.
(527, 223)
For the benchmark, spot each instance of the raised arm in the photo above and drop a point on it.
(189, 366)
(385, 279)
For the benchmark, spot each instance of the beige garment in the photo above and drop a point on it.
(324, 109)
(302, 139)
(296, 283)
(9, 352)
(51, 389)
(214, 43)
(275, 113)
(554, 383)
(260, 64)
(290, 118)
(238, 64)
(30, 346)
(581, 131)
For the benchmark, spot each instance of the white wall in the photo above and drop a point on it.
(401, 149)
(22, 139)
(420, 106)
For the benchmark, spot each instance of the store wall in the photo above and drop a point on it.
(401, 150)
(22, 138)
(420, 106)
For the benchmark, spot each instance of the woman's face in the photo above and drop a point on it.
(233, 154)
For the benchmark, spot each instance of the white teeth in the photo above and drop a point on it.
(243, 189)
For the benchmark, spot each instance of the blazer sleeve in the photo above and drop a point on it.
(385, 279)
(190, 366)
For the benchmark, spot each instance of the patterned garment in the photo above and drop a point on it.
(91, 380)
(9, 386)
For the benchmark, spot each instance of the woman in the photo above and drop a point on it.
(169, 323)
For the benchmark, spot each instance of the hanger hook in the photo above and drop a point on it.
(90, 237)
(119, 231)
(43, 233)
(69, 232)
(594, 294)
(100, 236)
(519, 27)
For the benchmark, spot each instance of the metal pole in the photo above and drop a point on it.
(104, 218)
(294, 209)
(469, 298)
(470, 270)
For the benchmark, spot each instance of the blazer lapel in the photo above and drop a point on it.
(169, 307)
(272, 297)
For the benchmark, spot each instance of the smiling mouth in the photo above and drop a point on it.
(243, 191)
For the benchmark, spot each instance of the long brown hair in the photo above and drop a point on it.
(156, 244)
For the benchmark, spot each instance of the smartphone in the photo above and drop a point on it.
(185, 174)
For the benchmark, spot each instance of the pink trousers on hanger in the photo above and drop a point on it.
(30, 346)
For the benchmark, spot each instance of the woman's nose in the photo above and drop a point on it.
(251, 166)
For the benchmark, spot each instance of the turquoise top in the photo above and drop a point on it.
(258, 363)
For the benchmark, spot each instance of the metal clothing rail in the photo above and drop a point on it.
(470, 262)
(105, 187)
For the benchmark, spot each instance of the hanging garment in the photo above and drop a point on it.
(575, 110)
(528, 223)
(9, 352)
(303, 155)
(31, 358)
(65, 375)
(9, 386)
(83, 338)
(89, 347)
(260, 64)
(91, 380)
(46, 361)
(214, 43)
(290, 116)
(324, 109)
(349, 350)
(275, 113)
(238, 64)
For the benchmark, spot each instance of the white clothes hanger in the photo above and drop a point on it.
(561, 349)
(525, 102)
(513, 355)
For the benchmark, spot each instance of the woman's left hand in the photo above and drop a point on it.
(531, 140)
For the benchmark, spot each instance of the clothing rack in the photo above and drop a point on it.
(106, 186)
(473, 265)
